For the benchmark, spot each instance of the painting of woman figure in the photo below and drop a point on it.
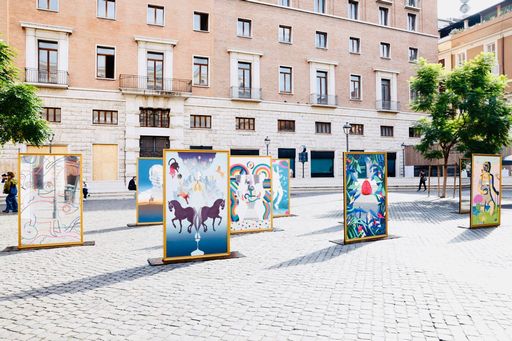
(485, 191)
(365, 196)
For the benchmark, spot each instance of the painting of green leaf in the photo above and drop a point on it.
(365, 196)
(485, 191)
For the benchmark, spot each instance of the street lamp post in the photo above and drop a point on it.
(346, 129)
(267, 143)
(50, 139)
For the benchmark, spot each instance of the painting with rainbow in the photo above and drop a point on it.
(250, 193)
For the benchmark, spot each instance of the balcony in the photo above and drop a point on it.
(388, 106)
(56, 78)
(323, 100)
(412, 4)
(154, 86)
(246, 94)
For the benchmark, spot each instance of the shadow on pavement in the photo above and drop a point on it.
(470, 235)
(113, 229)
(318, 256)
(109, 205)
(435, 212)
(94, 282)
(335, 228)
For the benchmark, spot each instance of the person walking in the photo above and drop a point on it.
(423, 181)
(85, 190)
(12, 192)
(132, 185)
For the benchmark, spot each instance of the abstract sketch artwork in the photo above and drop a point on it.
(251, 193)
(196, 204)
(280, 187)
(485, 190)
(50, 200)
(150, 181)
(365, 196)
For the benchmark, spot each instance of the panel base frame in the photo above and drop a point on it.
(35, 247)
(161, 261)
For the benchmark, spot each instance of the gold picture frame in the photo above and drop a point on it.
(138, 223)
(345, 232)
(271, 194)
(288, 189)
(50, 245)
(473, 174)
(166, 259)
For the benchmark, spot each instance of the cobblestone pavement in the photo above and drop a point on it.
(433, 281)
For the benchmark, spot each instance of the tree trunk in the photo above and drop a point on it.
(445, 175)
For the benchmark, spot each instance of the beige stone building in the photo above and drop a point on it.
(487, 31)
(122, 79)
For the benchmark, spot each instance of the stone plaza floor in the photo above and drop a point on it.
(432, 280)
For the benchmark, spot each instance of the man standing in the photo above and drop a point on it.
(11, 189)
(423, 181)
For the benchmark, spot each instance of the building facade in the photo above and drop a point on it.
(489, 30)
(123, 79)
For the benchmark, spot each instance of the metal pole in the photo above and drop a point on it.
(347, 142)
(267, 149)
(303, 169)
(403, 162)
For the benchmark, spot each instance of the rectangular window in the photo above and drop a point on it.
(411, 22)
(50, 5)
(51, 114)
(285, 3)
(201, 71)
(461, 58)
(286, 125)
(107, 9)
(156, 118)
(47, 62)
(322, 164)
(243, 28)
(412, 3)
(413, 95)
(245, 123)
(155, 15)
(355, 87)
(323, 127)
(354, 45)
(153, 146)
(414, 132)
(285, 79)
(285, 34)
(155, 70)
(321, 40)
(413, 54)
(353, 10)
(200, 121)
(319, 6)
(105, 62)
(383, 16)
(386, 131)
(321, 85)
(104, 117)
(201, 21)
(357, 129)
(244, 80)
(385, 50)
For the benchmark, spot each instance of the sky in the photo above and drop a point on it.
(450, 8)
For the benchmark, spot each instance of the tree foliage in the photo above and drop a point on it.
(20, 107)
(467, 109)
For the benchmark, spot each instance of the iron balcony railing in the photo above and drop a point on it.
(38, 76)
(145, 83)
(322, 99)
(245, 93)
(383, 105)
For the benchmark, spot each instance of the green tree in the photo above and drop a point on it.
(20, 107)
(467, 110)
